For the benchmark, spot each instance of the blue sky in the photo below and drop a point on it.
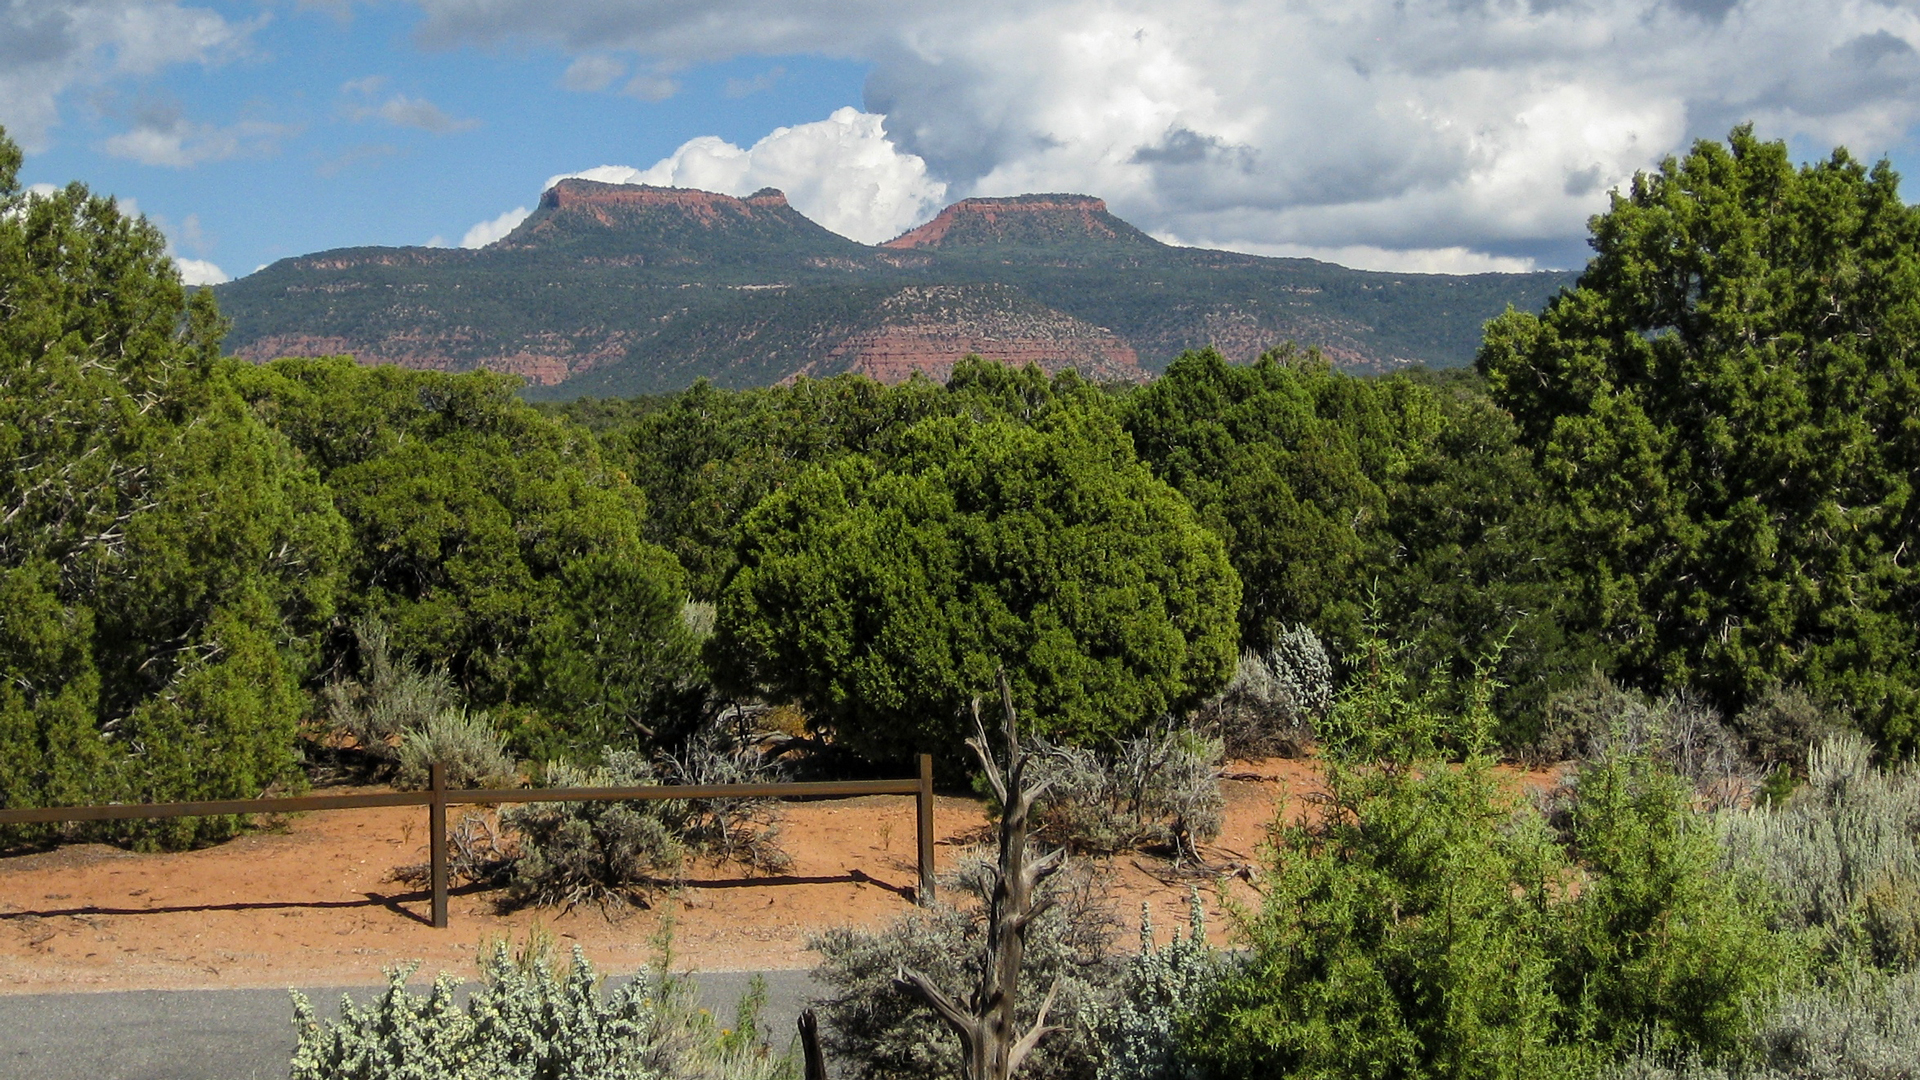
(1451, 135)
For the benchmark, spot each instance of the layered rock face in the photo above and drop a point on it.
(927, 330)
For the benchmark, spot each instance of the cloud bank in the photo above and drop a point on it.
(843, 172)
(1441, 130)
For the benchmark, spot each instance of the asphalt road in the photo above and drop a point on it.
(239, 1034)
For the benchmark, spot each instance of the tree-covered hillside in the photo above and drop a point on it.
(611, 290)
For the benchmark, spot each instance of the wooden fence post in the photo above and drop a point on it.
(923, 804)
(437, 842)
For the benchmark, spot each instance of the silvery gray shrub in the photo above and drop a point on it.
(1842, 858)
(1137, 1026)
(1160, 790)
(875, 1031)
(1597, 719)
(473, 751)
(1865, 1027)
(528, 1021)
(1274, 699)
(612, 853)
(389, 696)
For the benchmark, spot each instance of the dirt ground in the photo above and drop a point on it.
(310, 903)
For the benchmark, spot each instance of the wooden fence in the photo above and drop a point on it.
(438, 797)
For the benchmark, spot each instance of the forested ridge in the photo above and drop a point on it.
(1666, 529)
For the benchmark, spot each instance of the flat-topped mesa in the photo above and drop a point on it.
(672, 225)
(592, 196)
(1025, 220)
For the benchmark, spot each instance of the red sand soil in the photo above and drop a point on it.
(309, 904)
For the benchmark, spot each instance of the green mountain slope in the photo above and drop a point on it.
(621, 289)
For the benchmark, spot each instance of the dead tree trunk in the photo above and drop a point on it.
(991, 1045)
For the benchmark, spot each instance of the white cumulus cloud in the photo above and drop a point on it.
(486, 232)
(1419, 126)
(200, 272)
(843, 172)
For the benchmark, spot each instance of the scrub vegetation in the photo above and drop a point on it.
(1661, 538)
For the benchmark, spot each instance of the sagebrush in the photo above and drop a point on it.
(1841, 859)
(875, 1031)
(1137, 1027)
(1270, 706)
(389, 696)
(1160, 790)
(533, 1020)
(612, 853)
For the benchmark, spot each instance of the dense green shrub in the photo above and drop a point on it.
(1405, 932)
(705, 457)
(1782, 727)
(881, 597)
(494, 543)
(165, 558)
(529, 1021)
(1472, 566)
(1290, 463)
(875, 1031)
(1662, 949)
(1423, 925)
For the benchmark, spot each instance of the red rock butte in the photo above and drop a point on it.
(1082, 216)
(594, 197)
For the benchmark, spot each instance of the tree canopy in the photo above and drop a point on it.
(1725, 413)
(882, 594)
(494, 542)
(1290, 463)
(164, 556)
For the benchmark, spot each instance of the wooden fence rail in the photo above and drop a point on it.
(438, 797)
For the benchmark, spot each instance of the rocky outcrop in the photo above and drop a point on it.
(611, 204)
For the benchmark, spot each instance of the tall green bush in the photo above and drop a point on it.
(1290, 463)
(165, 559)
(1424, 922)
